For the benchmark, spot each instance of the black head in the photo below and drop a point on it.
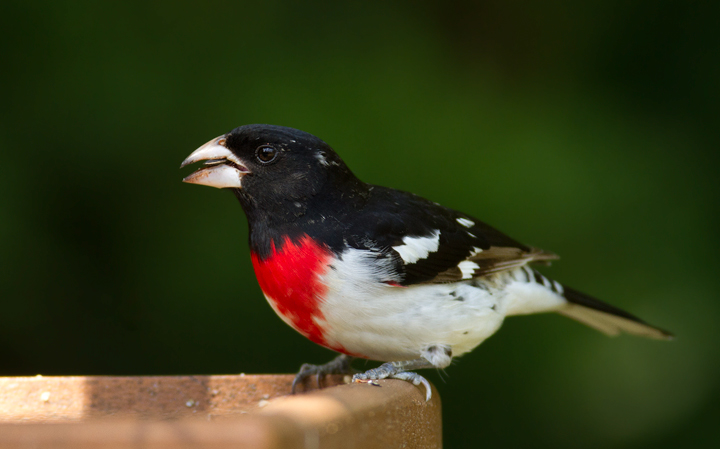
(276, 172)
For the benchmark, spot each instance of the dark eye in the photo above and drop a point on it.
(266, 154)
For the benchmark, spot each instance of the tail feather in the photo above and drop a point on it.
(606, 318)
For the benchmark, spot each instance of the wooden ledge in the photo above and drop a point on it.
(241, 411)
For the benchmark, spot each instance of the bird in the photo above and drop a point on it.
(376, 273)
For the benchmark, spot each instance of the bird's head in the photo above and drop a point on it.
(271, 167)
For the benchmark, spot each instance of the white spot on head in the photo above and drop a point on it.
(320, 156)
(465, 222)
(416, 248)
(468, 268)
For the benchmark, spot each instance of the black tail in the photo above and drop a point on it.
(606, 318)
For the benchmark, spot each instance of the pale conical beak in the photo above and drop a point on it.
(224, 170)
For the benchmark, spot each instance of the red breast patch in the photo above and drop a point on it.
(290, 278)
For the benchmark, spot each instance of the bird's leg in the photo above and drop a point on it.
(399, 370)
(338, 365)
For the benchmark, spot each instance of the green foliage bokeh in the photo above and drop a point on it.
(588, 129)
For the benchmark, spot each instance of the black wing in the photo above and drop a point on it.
(453, 246)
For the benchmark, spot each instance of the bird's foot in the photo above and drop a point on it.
(338, 365)
(397, 370)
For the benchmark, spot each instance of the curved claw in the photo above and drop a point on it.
(306, 370)
(339, 365)
(391, 371)
(416, 380)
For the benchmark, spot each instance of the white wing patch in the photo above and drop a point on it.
(468, 268)
(416, 248)
(465, 222)
(475, 251)
(320, 156)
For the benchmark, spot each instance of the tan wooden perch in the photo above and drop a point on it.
(243, 411)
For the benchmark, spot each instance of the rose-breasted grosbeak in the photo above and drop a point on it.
(378, 273)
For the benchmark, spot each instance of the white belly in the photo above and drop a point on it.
(383, 322)
(396, 323)
(379, 321)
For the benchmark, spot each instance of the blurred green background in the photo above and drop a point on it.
(586, 128)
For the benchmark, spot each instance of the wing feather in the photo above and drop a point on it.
(463, 247)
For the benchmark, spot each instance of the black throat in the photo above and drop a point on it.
(322, 211)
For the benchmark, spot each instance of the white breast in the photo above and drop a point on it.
(372, 318)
